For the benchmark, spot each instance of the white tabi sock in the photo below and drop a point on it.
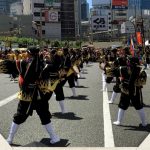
(113, 97)
(120, 117)
(73, 91)
(62, 106)
(142, 117)
(13, 130)
(54, 138)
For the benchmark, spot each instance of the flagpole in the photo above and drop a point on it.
(143, 34)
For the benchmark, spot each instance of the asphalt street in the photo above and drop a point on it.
(83, 125)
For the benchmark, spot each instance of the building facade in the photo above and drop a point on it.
(84, 10)
(101, 17)
(16, 8)
(27, 7)
(56, 19)
(5, 6)
(68, 19)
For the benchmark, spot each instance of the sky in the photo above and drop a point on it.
(90, 3)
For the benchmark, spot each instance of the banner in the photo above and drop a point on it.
(145, 4)
(120, 4)
(139, 38)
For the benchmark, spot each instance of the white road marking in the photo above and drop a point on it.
(145, 143)
(8, 99)
(108, 132)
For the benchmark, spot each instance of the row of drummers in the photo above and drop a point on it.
(66, 63)
(130, 78)
(120, 64)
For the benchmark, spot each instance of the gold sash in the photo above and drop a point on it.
(24, 97)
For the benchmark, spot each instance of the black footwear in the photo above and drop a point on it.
(142, 126)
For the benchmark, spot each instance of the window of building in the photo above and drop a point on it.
(38, 5)
(43, 31)
(37, 14)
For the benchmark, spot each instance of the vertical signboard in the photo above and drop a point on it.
(99, 23)
(120, 4)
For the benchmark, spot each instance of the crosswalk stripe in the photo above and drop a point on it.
(8, 99)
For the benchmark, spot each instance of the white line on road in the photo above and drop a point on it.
(108, 133)
(8, 99)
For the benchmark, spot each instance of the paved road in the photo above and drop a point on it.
(84, 125)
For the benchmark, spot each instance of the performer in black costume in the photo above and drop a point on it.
(131, 90)
(32, 95)
(57, 59)
(70, 76)
(120, 61)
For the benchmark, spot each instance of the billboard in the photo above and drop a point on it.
(127, 27)
(51, 16)
(99, 23)
(120, 4)
(145, 4)
(100, 2)
(56, 3)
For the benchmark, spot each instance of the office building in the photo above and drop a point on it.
(5, 6)
(16, 8)
(84, 10)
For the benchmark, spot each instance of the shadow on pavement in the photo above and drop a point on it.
(45, 142)
(84, 72)
(81, 86)
(82, 78)
(69, 116)
(62, 143)
(79, 97)
(89, 65)
(137, 128)
(15, 145)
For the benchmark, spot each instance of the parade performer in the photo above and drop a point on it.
(132, 82)
(68, 67)
(56, 59)
(32, 95)
(120, 61)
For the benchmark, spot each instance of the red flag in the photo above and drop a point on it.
(139, 38)
(131, 47)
